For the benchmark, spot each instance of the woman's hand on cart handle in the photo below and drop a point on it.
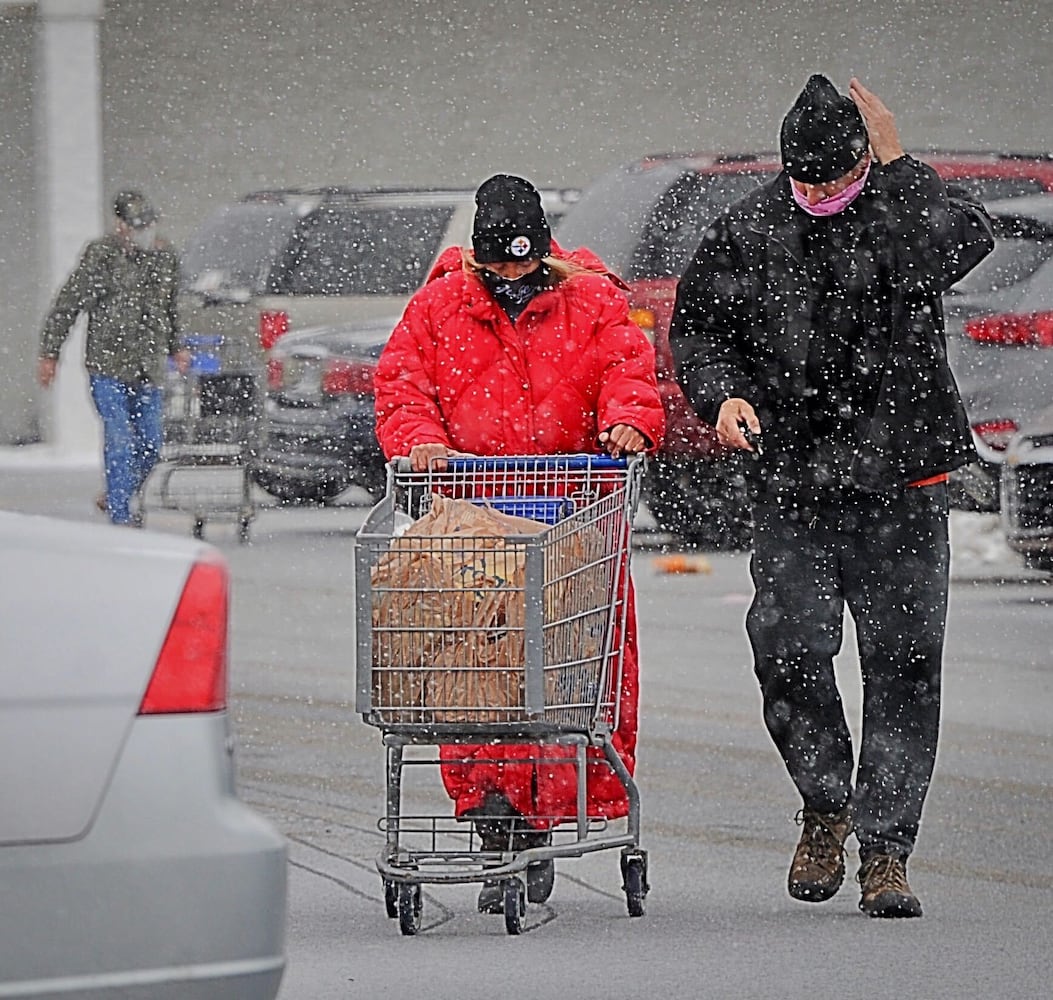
(623, 439)
(430, 457)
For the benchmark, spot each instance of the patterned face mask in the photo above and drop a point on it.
(512, 294)
(835, 203)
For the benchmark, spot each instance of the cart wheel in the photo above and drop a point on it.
(243, 530)
(409, 908)
(198, 530)
(391, 898)
(634, 875)
(515, 905)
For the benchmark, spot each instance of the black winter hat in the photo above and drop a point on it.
(133, 208)
(510, 224)
(823, 135)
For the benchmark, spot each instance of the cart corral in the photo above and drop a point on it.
(212, 425)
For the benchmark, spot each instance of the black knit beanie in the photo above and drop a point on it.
(510, 224)
(823, 135)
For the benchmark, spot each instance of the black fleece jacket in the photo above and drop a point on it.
(748, 306)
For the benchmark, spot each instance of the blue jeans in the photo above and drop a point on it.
(132, 430)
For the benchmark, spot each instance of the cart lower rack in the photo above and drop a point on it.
(491, 602)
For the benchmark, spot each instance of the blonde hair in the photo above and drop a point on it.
(560, 269)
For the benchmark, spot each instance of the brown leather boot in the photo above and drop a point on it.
(818, 867)
(886, 893)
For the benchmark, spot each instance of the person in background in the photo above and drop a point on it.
(809, 331)
(126, 283)
(516, 347)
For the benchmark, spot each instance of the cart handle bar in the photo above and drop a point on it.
(504, 463)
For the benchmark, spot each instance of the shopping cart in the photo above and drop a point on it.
(510, 639)
(211, 428)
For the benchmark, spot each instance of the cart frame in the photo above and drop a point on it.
(565, 697)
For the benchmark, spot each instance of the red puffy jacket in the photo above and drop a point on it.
(458, 372)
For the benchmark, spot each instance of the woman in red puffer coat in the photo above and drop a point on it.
(518, 348)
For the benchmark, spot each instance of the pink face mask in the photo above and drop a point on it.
(834, 204)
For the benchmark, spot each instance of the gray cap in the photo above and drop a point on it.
(133, 208)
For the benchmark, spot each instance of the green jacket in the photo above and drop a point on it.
(129, 297)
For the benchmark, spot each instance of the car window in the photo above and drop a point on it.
(237, 248)
(1012, 261)
(682, 216)
(612, 212)
(357, 250)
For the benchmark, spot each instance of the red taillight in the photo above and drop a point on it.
(274, 324)
(1013, 329)
(275, 373)
(191, 672)
(995, 433)
(344, 377)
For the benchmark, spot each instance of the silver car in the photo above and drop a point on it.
(128, 865)
(1000, 341)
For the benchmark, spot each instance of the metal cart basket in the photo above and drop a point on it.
(212, 428)
(512, 636)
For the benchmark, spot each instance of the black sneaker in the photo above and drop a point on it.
(540, 878)
(501, 829)
(886, 892)
(818, 866)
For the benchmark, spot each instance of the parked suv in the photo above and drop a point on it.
(646, 219)
(283, 261)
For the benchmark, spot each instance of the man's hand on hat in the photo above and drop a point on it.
(881, 125)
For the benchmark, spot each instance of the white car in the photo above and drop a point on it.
(128, 865)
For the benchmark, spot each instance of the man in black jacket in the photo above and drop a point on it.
(809, 331)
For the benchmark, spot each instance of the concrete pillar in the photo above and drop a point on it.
(69, 156)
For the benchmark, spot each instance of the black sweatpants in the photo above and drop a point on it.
(885, 556)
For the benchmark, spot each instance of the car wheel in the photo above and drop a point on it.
(703, 503)
(299, 491)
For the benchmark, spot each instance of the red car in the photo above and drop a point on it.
(646, 219)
